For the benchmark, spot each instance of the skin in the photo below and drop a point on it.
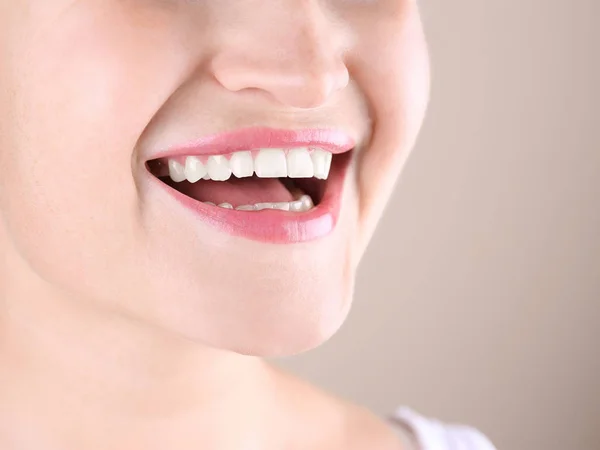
(126, 322)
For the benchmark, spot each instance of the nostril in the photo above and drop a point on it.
(234, 73)
(314, 88)
(319, 89)
(340, 76)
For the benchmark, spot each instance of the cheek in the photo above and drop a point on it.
(72, 119)
(392, 66)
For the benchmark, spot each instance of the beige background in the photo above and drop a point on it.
(479, 299)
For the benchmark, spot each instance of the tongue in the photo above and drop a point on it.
(238, 191)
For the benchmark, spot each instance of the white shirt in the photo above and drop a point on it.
(422, 433)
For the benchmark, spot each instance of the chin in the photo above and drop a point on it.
(245, 295)
(289, 336)
(282, 316)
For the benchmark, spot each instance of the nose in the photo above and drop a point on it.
(290, 51)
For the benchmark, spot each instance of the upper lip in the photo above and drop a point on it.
(330, 139)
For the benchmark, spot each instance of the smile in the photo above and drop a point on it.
(278, 186)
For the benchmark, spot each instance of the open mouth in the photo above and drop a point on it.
(277, 186)
(293, 180)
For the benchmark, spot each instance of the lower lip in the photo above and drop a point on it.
(273, 226)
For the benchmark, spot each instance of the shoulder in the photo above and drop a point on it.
(366, 431)
(326, 421)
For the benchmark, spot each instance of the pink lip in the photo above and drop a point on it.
(271, 226)
(332, 140)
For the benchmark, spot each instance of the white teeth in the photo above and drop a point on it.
(261, 206)
(307, 202)
(296, 206)
(246, 208)
(322, 163)
(242, 164)
(176, 171)
(284, 206)
(270, 163)
(226, 205)
(194, 169)
(299, 163)
(304, 204)
(218, 168)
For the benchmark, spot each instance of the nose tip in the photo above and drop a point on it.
(298, 84)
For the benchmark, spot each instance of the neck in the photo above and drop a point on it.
(66, 365)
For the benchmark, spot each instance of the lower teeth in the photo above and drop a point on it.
(303, 204)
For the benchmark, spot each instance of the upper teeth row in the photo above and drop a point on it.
(266, 163)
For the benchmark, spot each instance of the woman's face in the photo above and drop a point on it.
(92, 90)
